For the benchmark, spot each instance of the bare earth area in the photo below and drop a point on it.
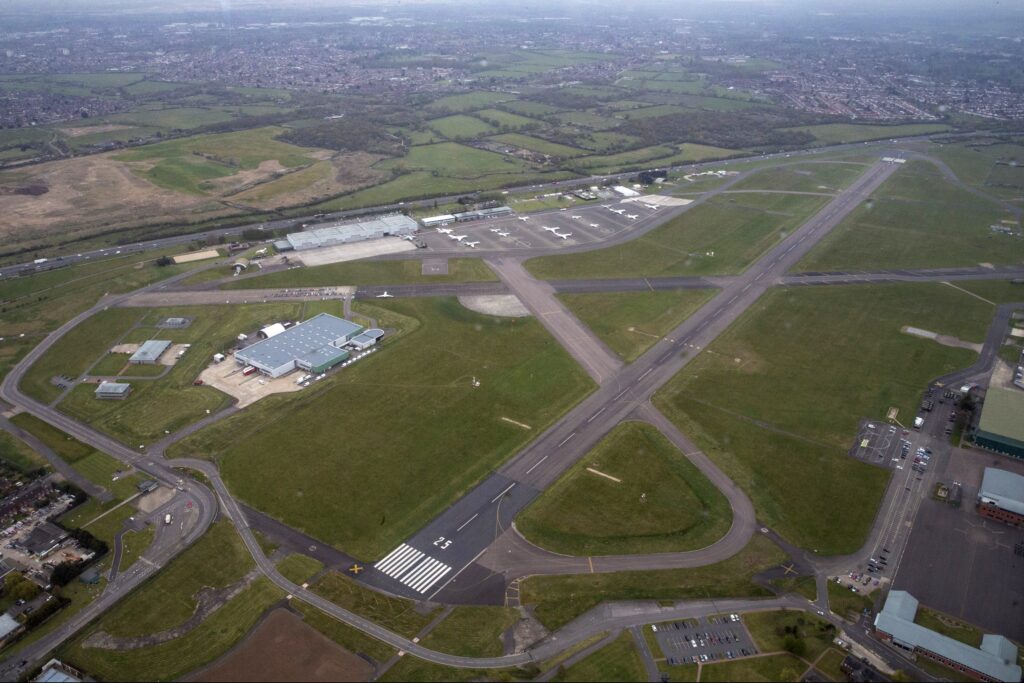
(79, 131)
(503, 305)
(227, 376)
(284, 648)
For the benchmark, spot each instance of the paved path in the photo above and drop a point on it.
(65, 470)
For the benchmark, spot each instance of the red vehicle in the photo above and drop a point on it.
(248, 370)
(198, 383)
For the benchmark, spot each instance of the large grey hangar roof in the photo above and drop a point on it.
(150, 351)
(302, 342)
(1004, 489)
(341, 233)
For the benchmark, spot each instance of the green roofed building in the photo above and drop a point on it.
(1001, 428)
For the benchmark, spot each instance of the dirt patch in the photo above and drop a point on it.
(227, 376)
(243, 179)
(503, 305)
(79, 131)
(173, 354)
(332, 175)
(154, 499)
(125, 348)
(285, 648)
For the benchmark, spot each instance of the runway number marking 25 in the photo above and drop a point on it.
(442, 542)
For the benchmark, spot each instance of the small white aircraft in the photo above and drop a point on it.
(594, 225)
(407, 238)
(606, 206)
(523, 218)
(385, 295)
(445, 231)
(654, 207)
(563, 235)
(471, 244)
(632, 216)
(578, 217)
(458, 238)
(504, 234)
(496, 230)
(550, 229)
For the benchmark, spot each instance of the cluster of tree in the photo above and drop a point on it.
(351, 133)
(17, 587)
(755, 127)
(66, 572)
(45, 611)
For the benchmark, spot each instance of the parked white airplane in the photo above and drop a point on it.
(578, 217)
(563, 235)
(407, 238)
(504, 234)
(458, 238)
(471, 244)
(619, 211)
(550, 229)
(523, 218)
(594, 225)
(654, 207)
(385, 295)
(445, 231)
(495, 229)
(632, 216)
(606, 206)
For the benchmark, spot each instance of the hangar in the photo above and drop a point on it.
(315, 345)
(344, 233)
(1001, 427)
(1001, 496)
(150, 352)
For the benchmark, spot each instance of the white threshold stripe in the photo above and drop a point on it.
(423, 588)
(405, 564)
(390, 555)
(432, 568)
(415, 571)
(397, 558)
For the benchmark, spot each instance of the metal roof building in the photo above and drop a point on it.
(343, 233)
(314, 346)
(150, 351)
(1001, 427)
(1001, 496)
(115, 390)
(995, 660)
(366, 339)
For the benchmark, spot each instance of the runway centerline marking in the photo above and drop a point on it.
(536, 464)
(566, 439)
(591, 418)
(493, 500)
(475, 515)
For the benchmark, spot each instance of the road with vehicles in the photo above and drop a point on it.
(622, 394)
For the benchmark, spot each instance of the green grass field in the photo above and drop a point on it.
(721, 236)
(818, 177)
(631, 322)
(830, 664)
(343, 634)
(396, 614)
(917, 220)
(773, 631)
(172, 660)
(557, 600)
(528, 108)
(838, 133)
(75, 352)
(68, 448)
(984, 164)
(846, 603)
(774, 668)
(461, 127)
(538, 145)
(613, 162)
(19, 454)
(776, 399)
(391, 272)
(472, 631)
(134, 544)
(505, 120)
(299, 568)
(172, 402)
(661, 503)
(180, 118)
(406, 419)
(456, 161)
(469, 101)
(617, 661)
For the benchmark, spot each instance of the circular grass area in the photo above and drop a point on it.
(634, 493)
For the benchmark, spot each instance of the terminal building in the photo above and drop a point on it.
(1001, 496)
(464, 216)
(150, 352)
(315, 345)
(995, 660)
(346, 233)
(1001, 427)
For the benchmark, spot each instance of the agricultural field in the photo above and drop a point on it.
(538, 145)
(837, 355)
(634, 493)
(505, 120)
(443, 434)
(473, 631)
(839, 133)
(455, 161)
(461, 127)
(168, 403)
(391, 272)
(723, 235)
(557, 600)
(917, 219)
(614, 162)
(529, 108)
(469, 101)
(631, 322)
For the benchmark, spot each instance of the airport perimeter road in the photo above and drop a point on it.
(422, 566)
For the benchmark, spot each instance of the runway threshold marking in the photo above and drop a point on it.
(536, 464)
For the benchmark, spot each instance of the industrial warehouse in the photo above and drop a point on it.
(1001, 496)
(346, 233)
(315, 345)
(464, 216)
(1001, 428)
(995, 660)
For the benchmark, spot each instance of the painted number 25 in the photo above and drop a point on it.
(442, 542)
